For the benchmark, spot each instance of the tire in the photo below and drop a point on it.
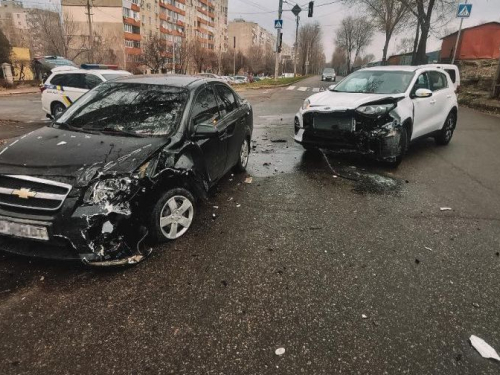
(164, 218)
(243, 157)
(403, 146)
(57, 108)
(446, 133)
(334, 79)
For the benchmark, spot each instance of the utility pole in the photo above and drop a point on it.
(495, 89)
(458, 38)
(91, 34)
(278, 31)
(296, 47)
(234, 57)
(173, 57)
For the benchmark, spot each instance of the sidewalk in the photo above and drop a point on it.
(19, 91)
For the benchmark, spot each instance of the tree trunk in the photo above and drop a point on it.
(415, 44)
(420, 56)
(388, 36)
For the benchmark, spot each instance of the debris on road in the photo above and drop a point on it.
(427, 248)
(417, 261)
(278, 140)
(61, 143)
(280, 351)
(483, 348)
(476, 305)
(445, 208)
(364, 316)
(238, 205)
(266, 164)
(42, 278)
(248, 180)
(216, 207)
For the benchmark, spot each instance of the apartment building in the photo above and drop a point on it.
(13, 22)
(251, 34)
(176, 21)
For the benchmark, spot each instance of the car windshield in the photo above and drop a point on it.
(329, 71)
(376, 82)
(127, 108)
(112, 76)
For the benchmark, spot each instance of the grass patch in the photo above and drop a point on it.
(270, 83)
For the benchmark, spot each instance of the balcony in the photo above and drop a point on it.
(206, 13)
(164, 17)
(132, 36)
(207, 3)
(133, 51)
(173, 9)
(131, 21)
(135, 7)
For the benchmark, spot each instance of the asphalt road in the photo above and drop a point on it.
(356, 274)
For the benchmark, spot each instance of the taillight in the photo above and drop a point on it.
(42, 88)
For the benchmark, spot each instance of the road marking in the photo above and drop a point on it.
(302, 89)
(322, 89)
(316, 89)
(291, 87)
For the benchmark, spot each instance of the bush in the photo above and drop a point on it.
(5, 84)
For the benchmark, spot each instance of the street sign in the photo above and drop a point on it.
(464, 10)
(296, 10)
(278, 24)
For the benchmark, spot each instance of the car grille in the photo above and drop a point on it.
(334, 121)
(32, 193)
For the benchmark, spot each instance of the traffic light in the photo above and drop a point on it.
(310, 11)
(280, 43)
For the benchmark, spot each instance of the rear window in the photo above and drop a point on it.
(452, 74)
(329, 71)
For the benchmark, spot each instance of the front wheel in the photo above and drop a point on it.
(57, 109)
(242, 163)
(446, 133)
(172, 215)
(402, 147)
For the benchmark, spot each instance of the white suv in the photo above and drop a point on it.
(378, 111)
(67, 83)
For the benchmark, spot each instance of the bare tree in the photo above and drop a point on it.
(310, 48)
(53, 35)
(5, 49)
(353, 36)
(388, 16)
(339, 59)
(155, 54)
(428, 13)
(405, 45)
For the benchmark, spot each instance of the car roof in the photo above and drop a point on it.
(70, 69)
(168, 80)
(398, 68)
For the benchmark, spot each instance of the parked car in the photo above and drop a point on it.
(328, 75)
(127, 160)
(452, 70)
(43, 66)
(378, 111)
(67, 83)
(240, 79)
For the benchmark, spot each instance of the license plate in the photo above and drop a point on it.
(24, 230)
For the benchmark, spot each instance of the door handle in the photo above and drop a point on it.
(432, 102)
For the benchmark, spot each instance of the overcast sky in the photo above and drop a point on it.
(330, 15)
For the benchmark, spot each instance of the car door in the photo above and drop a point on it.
(234, 123)
(442, 95)
(74, 86)
(205, 110)
(424, 109)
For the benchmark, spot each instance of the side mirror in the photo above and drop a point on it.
(205, 131)
(423, 93)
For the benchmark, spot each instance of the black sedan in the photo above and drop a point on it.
(127, 161)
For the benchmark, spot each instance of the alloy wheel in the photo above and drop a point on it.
(244, 153)
(176, 217)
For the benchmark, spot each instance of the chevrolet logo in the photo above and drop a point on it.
(24, 193)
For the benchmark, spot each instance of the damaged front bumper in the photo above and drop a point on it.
(97, 234)
(350, 132)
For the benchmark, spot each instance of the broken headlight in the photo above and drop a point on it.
(107, 190)
(376, 109)
(306, 104)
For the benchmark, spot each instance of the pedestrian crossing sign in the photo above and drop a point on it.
(464, 10)
(278, 24)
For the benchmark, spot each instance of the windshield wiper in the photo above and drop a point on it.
(73, 128)
(120, 132)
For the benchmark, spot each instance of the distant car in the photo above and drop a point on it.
(378, 111)
(328, 75)
(67, 83)
(452, 70)
(240, 79)
(127, 160)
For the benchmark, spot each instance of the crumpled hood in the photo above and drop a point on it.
(78, 156)
(338, 101)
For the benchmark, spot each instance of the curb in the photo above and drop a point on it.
(18, 92)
